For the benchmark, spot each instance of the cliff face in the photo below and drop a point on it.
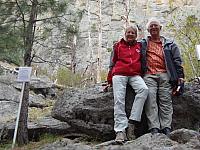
(97, 29)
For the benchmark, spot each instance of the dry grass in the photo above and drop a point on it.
(44, 139)
(35, 114)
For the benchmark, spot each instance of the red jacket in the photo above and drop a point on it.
(125, 60)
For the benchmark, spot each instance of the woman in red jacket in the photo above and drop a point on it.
(125, 67)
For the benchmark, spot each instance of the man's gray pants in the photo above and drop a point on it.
(158, 106)
(119, 90)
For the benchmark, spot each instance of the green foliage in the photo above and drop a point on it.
(109, 49)
(18, 24)
(6, 146)
(53, 7)
(72, 29)
(187, 34)
(93, 28)
(13, 56)
(35, 114)
(14, 25)
(43, 139)
(103, 75)
(1, 71)
(80, 14)
(46, 33)
(48, 138)
(187, 68)
(67, 78)
(11, 44)
(171, 3)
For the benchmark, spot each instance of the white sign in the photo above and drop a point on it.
(24, 74)
(198, 51)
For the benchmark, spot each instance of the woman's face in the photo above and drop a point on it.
(130, 34)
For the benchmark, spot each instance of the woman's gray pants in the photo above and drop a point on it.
(119, 90)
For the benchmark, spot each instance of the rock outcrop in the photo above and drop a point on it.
(178, 141)
(187, 108)
(9, 102)
(90, 111)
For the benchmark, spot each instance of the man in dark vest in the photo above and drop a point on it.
(163, 71)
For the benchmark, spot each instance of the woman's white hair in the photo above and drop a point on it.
(132, 27)
(153, 20)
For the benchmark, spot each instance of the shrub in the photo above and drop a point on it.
(12, 56)
(103, 75)
(67, 78)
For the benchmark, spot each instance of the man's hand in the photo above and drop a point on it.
(180, 81)
(178, 90)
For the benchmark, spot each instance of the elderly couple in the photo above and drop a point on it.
(152, 67)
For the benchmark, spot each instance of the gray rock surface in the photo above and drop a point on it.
(36, 128)
(112, 29)
(90, 111)
(187, 108)
(145, 142)
(9, 102)
(87, 110)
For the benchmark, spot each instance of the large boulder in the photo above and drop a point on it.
(90, 111)
(187, 108)
(87, 110)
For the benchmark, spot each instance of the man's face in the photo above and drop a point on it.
(130, 35)
(154, 28)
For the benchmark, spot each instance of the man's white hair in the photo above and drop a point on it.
(153, 19)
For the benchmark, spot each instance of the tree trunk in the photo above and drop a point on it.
(30, 34)
(194, 71)
(22, 135)
(100, 46)
(73, 57)
(127, 10)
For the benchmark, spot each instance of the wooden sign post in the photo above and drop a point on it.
(24, 76)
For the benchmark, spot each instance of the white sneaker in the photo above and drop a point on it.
(120, 137)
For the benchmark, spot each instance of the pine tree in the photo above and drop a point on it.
(18, 22)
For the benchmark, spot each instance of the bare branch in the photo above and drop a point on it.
(41, 60)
